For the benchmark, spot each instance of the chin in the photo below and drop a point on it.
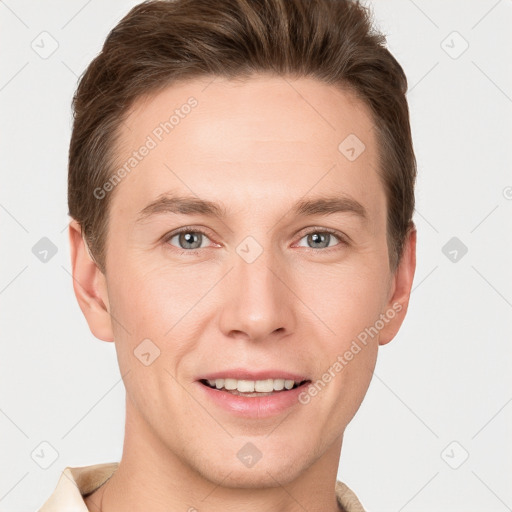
(270, 467)
(266, 476)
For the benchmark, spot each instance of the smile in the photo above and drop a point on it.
(252, 387)
(245, 400)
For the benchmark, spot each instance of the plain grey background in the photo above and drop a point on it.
(434, 432)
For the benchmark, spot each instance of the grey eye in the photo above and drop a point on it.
(319, 239)
(189, 239)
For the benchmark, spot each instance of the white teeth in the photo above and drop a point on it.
(245, 386)
(278, 384)
(264, 386)
(251, 386)
(229, 384)
(288, 384)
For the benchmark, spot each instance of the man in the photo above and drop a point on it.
(241, 187)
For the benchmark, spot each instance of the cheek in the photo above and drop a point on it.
(345, 304)
(163, 305)
(154, 297)
(343, 301)
(345, 352)
(146, 307)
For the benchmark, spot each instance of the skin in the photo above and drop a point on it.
(256, 146)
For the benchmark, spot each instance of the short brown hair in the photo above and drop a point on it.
(160, 42)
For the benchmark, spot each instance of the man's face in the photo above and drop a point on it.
(262, 288)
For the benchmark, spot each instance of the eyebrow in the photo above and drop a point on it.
(186, 205)
(330, 205)
(190, 205)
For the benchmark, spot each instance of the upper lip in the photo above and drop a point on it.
(242, 374)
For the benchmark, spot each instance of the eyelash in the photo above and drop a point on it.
(342, 239)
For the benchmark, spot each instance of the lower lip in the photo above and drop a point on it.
(254, 406)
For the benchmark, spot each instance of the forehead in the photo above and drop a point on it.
(267, 138)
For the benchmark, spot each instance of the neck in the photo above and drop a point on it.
(154, 478)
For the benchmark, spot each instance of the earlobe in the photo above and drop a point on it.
(89, 285)
(400, 289)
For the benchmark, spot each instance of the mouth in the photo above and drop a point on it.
(253, 388)
(254, 394)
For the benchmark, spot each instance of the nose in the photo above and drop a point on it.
(257, 301)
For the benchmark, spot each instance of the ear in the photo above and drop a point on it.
(90, 286)
(400, 289)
